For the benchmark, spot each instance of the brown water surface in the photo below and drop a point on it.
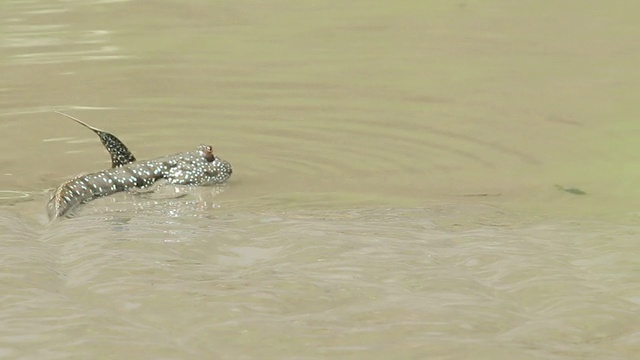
(399, 186)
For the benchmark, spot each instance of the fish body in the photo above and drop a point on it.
(199, 167)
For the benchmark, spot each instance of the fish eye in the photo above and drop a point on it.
(208, 153)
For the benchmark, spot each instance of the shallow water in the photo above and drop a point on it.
(394, 189)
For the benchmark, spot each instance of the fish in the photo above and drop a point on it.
(199, 167)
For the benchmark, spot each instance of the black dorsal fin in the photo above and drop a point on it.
(120, 155)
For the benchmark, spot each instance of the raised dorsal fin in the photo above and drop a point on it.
(120, 155)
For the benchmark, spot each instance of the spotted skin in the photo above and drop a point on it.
(120, 154)
(199, 167)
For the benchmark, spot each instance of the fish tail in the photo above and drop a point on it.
(67, 196)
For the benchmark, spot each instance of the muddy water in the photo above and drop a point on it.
(397, 186)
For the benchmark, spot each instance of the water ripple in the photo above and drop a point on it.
(345, 281)
(55, 42)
